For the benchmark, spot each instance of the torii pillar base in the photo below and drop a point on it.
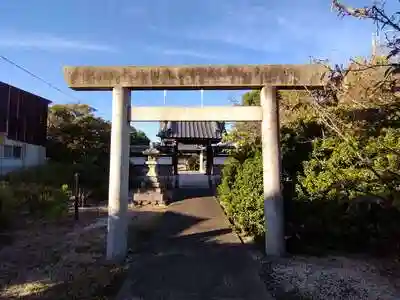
(119, 176)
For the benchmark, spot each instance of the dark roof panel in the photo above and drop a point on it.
(192, 130)
(23, 92)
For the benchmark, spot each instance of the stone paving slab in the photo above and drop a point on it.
(193, 255)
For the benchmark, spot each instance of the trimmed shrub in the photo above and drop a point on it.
(22, 200)
(241, 194)
(44, 191)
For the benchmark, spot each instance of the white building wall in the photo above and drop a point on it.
(32, 155)
(138, 160)
(165, 160)
(220, 160)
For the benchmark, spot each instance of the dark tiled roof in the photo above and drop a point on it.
(192, 130)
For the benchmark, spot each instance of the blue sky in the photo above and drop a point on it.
(45, 35)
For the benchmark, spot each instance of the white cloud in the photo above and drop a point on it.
(238, 26)
(190, 53)
(49, 43)
(187, 52)
(297, 29)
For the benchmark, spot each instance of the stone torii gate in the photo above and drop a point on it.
(122, 80)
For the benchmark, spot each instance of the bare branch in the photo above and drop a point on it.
(344, 10)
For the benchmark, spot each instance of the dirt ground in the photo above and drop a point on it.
(65, 259)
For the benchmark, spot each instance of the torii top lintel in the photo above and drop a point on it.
(207, 77)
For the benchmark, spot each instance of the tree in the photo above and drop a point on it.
(385, 22)
(138, 137)
(66, 113)
(75, 134)
(378, 14)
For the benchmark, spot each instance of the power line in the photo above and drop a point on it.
(38, 77)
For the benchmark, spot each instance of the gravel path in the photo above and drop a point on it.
(331, 278)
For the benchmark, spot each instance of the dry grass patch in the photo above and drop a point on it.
(66, 259)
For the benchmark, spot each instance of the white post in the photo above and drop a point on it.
(273, 201)
(119, 176)
(201, 161)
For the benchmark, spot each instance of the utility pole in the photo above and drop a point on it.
(374, 44)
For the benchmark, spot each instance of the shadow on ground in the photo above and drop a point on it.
(190, 256)
(172, 255)
(188, 193)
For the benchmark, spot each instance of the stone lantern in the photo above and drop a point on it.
(152, 155)
(153, 188)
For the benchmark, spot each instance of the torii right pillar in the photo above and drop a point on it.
(273, 200)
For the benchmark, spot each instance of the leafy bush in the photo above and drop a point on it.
(326, 225)
(347, 169)
(193, 163)
(44, 191)
(337, 201)
(8, 206)
(93, 180)
(241, 194)
(35, 201)
(51, 174)
(347, 197)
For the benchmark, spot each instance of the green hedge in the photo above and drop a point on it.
(241, 194)
(328, 193)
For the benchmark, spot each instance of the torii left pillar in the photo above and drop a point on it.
(119, 175)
